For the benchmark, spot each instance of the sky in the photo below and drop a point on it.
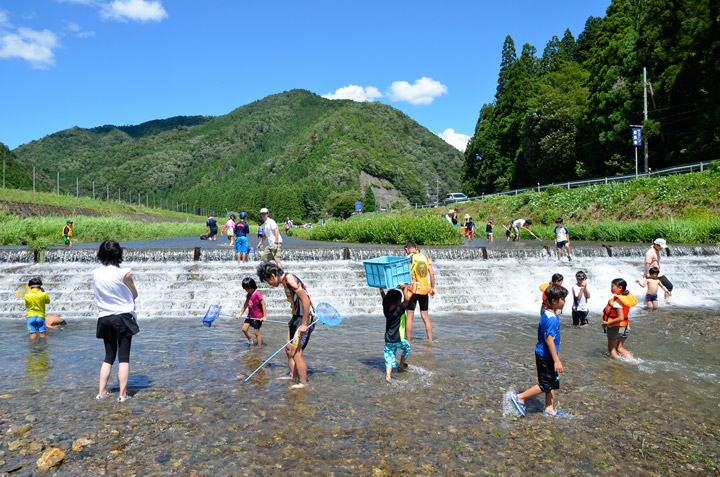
(89, 63)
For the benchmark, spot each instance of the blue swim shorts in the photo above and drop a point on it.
(35, 324)
(650, 298)
(562, 244)
(391, 349)
(241, 245)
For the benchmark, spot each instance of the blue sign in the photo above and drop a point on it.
(637, 136)
(358, 206)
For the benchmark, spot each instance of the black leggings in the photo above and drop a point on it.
(117, 346)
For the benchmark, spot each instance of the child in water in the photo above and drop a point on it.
(394, 304)
(257, 313)
(489, 231)
(652, 282)
(615, 318)
(556, 279)
(35, 301)
(547, 350)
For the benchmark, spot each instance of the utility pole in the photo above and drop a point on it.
(437, 189)
(93, 190)
(3, 173)
(33, 179)
(58, 183)
(645, 113)
(77, 187)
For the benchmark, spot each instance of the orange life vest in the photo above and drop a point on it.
(420, 270)
(542, 288)
(627, 301)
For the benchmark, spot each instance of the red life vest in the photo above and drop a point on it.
(627, 301)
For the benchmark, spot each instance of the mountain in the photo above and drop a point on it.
(17, 174)
(291, 152)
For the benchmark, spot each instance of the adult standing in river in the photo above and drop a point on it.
(423, 277)
(115, 296)
(271, 233)
(211, 228)
(652, 259)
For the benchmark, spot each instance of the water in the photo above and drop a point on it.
(448, 414)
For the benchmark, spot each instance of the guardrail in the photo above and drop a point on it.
(696, 167)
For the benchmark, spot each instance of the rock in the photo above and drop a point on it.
(31, 418)
(16, 445)
(51, 458)
(78, 445)
(36, 447)
(18, 430)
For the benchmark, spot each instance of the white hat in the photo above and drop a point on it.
(467, 216)
(660, 242)
(264, 211)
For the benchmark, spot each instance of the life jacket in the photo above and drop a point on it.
(627, 301)
(542, 288)
(69, 234)
(420, 271)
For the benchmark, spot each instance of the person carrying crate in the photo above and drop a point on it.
(423, 284)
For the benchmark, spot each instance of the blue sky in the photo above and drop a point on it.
(88, 63)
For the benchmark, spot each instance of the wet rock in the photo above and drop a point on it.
(36, 447)
(16, 445)
(31, 418)
(78, 444)
(51, 458)
(18, 430)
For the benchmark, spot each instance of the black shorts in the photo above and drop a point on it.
(579, 317)
(116, 326)
(666, 283)
(255, 324)
(293, 325)
(548, 379)
(507, 233)
(420, 299)
(212, 233)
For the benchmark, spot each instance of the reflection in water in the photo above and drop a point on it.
(37, 364)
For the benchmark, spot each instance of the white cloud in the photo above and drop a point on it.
(138, 10)
(78, 31)
(455, 139)
(36, 47)
(424, 91)
(4, 18)
(356, 93)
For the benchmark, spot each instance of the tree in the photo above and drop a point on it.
(342, 204)
(368, 204)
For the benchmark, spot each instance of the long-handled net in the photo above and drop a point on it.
(215, 311)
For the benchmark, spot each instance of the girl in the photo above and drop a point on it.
(257, 313)
(230, 226)
(615, 318)
(115, 295)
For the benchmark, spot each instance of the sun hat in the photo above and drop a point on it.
(467, 216)
(264, 211)
(660, 242)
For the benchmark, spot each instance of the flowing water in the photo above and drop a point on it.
(448, 414)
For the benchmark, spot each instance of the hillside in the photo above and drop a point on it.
(289, 152)
(17, 174)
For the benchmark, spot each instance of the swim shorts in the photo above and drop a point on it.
(649, 297)
(293, 325)
(617, 333)
(391, 349)
(272, 255)
(241, 245)
(562, 244)
(548, 379)
(507, 233)
(579, 317)
(213, 232)
(66, 240)
(418, 299)
(115, 327)
(255, 324)
(35, 324)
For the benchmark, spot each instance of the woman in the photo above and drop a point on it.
(115, 295)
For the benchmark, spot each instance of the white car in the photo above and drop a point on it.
(455, 197)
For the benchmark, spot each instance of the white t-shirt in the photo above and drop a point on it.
(582, 302)
(269, 227)
(561, 234)
(519, 223)
(111, 294)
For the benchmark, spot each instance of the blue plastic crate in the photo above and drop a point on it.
(387, 272)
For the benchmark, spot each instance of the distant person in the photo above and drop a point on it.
(298, 330)
(556, 279)
(54, 321)
(581, 295)
(323, 223)
(35, 301)
(288, 224)
(211, 228)
(67, 233)
(115, 295)
(454, 216)
(242, 230)
(470, 228)
(257, 312)
(652, 259)
(523, 224)
(547, 351)
(615, 318)
(489, 231)
(260, 231)
(508, 232)
(230, 226)
(652, 282)
(423, 285)
(562, 239)
(394, 305)
(271, 233)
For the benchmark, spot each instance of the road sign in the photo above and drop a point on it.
(358, 206)
(637, 136)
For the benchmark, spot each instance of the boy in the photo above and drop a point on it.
(394, 305)
(67, 233)
(521, 224)
(556, 279)
(546, 355)
(489, 231)
(580, 298)
(562, 239)
(298, 330)
(35, 301)
(652, 282)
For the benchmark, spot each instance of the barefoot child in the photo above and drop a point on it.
(615, 318)
(562, 239)
(35, 301)
(580, 297)
(546, 354)
(394, 304)
(489, 231)
(652, 282)
(257, 313)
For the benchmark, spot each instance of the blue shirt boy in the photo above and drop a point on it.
(549, 326)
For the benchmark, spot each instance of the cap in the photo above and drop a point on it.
(243, 215)
(660, 242)
(69, 221)
(264, 211)
(467, 216)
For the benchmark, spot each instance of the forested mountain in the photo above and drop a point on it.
(17, 175)
(293, 152)
(566, 114)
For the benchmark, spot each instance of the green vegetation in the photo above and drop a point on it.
(567, 113)
(288, 152)
(368, 204)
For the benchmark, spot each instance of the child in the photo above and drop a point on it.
(508, 232)
(257, 313)
(562, 239)
(615, 318)
(230, 226)
(653, 283)
(556, 279)
(35, 301)
(470, 228)
(489, 231)
(546, 354)
(580, 298)
(394, 304)
(298, 330)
